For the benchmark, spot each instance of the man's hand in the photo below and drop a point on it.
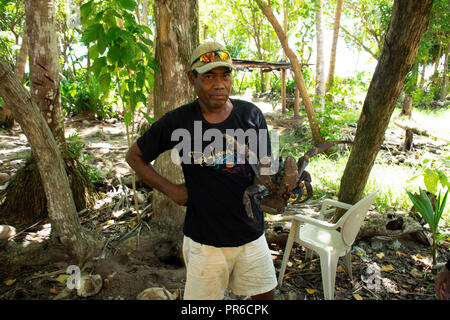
(443, 284)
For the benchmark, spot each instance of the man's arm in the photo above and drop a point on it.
(176, 192)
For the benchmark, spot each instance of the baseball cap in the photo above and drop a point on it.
(210, 55)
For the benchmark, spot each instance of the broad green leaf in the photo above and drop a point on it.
(133, 100)
(85, 11)
(431, 179)
(127, 118)
(104, 80)
(140, 97)
(101, 40)
(114, 54)
(140, 79)
(91, 33)
(98, 65)
(93, 51)
(126, 55)
(112, 34)
(127, 4)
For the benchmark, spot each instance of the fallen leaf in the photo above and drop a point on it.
(357, 296)
(339, 289)
(62, 278)
(400, 254)
(310, 291)
(416, 273)
(387, 267)
(10, 282)
(380, 255)
(289, 264)
(53, 291)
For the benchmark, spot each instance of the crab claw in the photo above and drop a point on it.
(252, 198)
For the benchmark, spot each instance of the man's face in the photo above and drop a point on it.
(213, 87)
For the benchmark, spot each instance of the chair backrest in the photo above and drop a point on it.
(354, 217)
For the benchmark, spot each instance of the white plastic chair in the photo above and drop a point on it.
(324, 238)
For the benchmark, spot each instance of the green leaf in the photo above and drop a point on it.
(127, 4)
(429, 212)
(104, 80)
(126, 55)
(148, 118)
(421, 208)
(114, 54)
(101, 41)
(133, 100)
(140, 79)
(85, 11)
(91, 33)
(431, 179)
(144, 48)
(127, 118)
(440, 205)
(93, 51)
(112, 34)
(98, 65)
(440, 236)
(145, 40)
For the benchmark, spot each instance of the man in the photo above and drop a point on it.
(442, 286)
(223, 247)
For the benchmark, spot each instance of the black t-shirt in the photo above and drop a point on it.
(215, 213)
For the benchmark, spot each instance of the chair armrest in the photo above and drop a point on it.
(336, 203)
(316, 222)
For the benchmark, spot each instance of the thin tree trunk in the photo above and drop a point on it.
(299, 80)
(177, 37)
(44, 64)
(445, 75)
(320, 64)
(409, 21)
(337, 24)
(61, 207)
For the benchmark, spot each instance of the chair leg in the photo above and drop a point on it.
(287, 250)
(348, 263)
(328, 264)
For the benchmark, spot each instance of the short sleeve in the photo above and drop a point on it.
(157, 139)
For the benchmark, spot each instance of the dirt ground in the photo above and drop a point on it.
(383, 268)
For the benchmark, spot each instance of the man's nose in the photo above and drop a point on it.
(219, 82)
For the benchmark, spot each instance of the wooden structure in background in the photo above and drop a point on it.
(269, 67)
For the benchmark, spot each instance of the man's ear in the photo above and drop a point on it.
(191, 77)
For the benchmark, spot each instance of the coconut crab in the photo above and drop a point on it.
(271, 193)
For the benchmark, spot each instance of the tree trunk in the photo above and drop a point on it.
(177, 37)
(337, 23)
(445, 74)
(409, 21)
(6, 117)
(44, 65)
(61, 207)
(407, 106)
(320, 72)
(299, 80)
(32, 206)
